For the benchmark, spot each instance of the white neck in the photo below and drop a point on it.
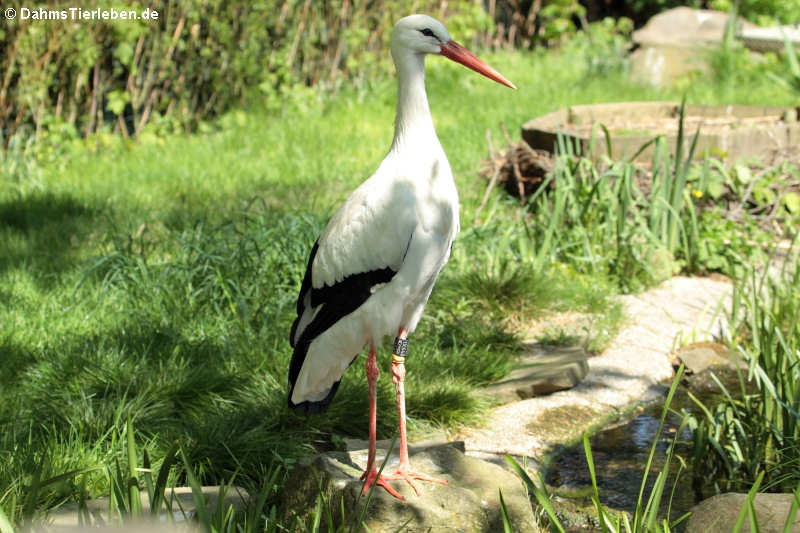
(413, 123)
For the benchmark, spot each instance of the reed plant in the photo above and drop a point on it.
(611, 218)
(754, 430)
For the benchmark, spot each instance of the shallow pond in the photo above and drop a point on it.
(620, 453)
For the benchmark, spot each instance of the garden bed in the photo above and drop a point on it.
(735, 133)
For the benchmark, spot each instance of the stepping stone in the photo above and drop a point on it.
(437, 438)
(470, 502)
(701, 356)
(718, 514)
(543, 370)
(68, 517)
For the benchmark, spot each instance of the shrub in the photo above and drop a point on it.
(196, 59)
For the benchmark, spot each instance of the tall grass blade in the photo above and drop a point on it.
(117, 500)
(161, 481)
(29, 507)
(254, 513)
(360, 521)
(651, 455)
(203, 517)
(788, 526)
(747, 508)
(607, 135)
(601, 515)
(147, 470)
(504, 514)
(133, 468)
(539, 493)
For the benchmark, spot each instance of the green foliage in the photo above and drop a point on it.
(604, 45)
(141, 279)
(634, 237)
(529, 23)
(764, 12)
(732, 199)
(754, 431)
(557, 18)
(724, 245)
(791, 77)
(61, 80)
(129, 481)
(680, 215)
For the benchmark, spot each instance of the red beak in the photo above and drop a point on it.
(459, 54)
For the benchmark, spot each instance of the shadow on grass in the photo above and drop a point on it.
(201, 392)
(44, 232)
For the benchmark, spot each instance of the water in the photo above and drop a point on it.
(620, 453)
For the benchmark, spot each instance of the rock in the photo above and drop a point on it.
(771, 39)
(718, 514)
(676, 42)
(543, 370)
(130, 526)
(470, 502)
(432, 440)
(687, 27)
(701, 356)
(68, 517)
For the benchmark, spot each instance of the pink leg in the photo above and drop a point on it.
(404, 468)
(370, 475)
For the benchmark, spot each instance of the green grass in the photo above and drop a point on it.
(155, 281)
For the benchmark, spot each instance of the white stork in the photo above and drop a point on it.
(372, 269)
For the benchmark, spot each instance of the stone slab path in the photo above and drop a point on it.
(635, 368)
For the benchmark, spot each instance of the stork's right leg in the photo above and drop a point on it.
(370, 475)
(404, 470)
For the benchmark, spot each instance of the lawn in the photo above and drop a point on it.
(154, 281)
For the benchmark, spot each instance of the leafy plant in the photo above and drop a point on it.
(195, 61)
(764, 12)
(752, 433)
(792, 74)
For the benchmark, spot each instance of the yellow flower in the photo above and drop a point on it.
(697, 194)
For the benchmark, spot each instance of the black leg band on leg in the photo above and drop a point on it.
(400, 350)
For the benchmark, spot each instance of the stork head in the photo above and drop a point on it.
(421, 34)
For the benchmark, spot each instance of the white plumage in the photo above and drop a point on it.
(373, 267)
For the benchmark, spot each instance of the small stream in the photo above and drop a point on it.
(620, 453)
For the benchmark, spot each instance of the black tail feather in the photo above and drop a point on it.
(313, 408)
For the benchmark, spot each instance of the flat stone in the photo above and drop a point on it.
(771, 39)
(437, 438)
(701, 356)
(542, 370)
(718, 514)
(470, 502)
(68, 517)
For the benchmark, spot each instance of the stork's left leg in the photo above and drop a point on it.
(404, 470)
(371, 475)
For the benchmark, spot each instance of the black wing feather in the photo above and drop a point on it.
(304, 287)
(337, 301)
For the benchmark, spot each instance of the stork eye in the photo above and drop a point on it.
(427, 32)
